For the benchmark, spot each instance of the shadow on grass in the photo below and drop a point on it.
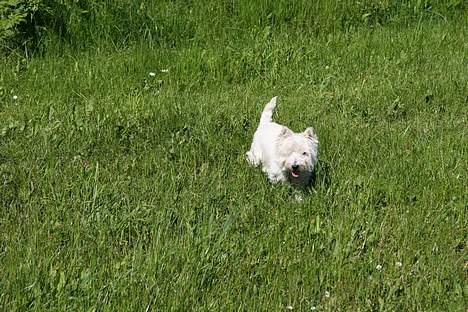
(321, 178)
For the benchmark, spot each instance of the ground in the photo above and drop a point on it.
(124, 184)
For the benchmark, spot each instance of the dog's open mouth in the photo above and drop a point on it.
(295, 173)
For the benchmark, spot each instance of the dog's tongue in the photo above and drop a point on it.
(295, 173)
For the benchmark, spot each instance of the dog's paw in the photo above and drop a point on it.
(275, 178)
(251, 159)
(298, 198)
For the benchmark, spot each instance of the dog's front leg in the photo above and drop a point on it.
(275, 175)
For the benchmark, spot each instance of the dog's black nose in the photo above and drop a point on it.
(295, 167)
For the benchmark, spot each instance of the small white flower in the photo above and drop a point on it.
(327, 67)
(289, 307)
(379, 267)
(313, 308)
(164, 70)
(327, 294)
(152, 74)
(398, 264)
(15, 97)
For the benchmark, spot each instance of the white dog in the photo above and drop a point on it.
(285, 156)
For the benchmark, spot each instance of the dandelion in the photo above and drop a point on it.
(152, 74)
(379, 267)
(15, 97)
(398, 264)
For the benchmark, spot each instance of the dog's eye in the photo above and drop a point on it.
(304, 154)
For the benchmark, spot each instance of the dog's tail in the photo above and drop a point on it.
(267, 113)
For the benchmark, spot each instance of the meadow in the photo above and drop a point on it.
(123, 180)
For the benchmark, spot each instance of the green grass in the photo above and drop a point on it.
(123, 191)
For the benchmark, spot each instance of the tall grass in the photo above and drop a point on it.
(168, 24)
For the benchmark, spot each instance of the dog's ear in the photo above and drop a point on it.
(309, 133)
(285, 132)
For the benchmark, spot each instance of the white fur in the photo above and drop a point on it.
(285, 156)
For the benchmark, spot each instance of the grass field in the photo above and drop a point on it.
(123, 183)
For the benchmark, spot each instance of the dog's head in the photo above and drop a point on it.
(298, 154)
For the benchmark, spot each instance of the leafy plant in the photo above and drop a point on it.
(13, 13)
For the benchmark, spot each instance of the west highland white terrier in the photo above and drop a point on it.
(285, 156)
